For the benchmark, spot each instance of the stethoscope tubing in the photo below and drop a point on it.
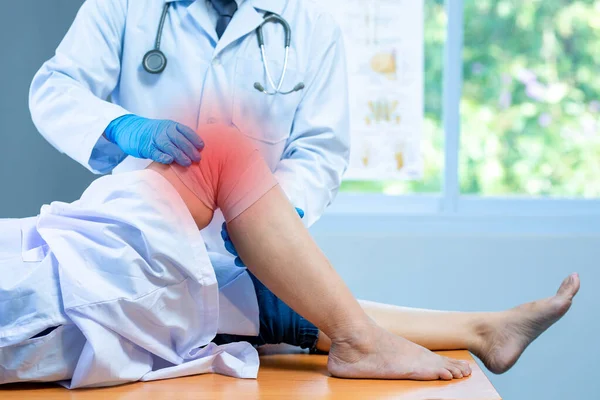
(155, 61)
(268, 72)
(271, 17)
(161, 25)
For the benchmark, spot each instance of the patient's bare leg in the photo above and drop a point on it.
(497, 338)
(277, 248)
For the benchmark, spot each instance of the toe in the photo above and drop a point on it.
(453, 367)
(569, 287)
(465, 368)
(445, 374)
(456, 372)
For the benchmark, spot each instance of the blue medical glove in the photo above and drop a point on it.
(163, 141)
(231, 248)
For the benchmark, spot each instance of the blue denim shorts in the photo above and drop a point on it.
(278, 323)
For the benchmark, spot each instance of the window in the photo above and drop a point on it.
(512, 102)
(530, 110)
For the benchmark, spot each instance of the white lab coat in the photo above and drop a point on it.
(124, 277)
(303, 136)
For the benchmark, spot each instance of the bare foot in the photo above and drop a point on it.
(503, 340)
(383, 355)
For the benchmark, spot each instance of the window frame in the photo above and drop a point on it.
(450, 202)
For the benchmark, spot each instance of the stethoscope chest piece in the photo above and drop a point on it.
(154, 61)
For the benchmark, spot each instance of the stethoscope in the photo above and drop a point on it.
(155, 61)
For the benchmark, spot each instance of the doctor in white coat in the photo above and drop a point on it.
(213, 62)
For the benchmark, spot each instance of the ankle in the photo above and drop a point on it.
(481, 329)
(357, 335)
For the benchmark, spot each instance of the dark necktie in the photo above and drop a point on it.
(225, 9)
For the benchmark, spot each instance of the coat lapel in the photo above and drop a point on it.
(245, 21)
(197, 12)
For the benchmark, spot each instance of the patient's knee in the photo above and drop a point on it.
(232, 174)
(223, 145)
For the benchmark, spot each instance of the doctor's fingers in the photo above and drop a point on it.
(191, 135)
(164, 144)
(159, 156)
(183, 143)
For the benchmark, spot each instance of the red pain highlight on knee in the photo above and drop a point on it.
(232, 174)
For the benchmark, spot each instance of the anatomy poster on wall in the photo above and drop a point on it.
(385, 49)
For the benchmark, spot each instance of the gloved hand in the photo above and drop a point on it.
(160, 140)
(231, 248)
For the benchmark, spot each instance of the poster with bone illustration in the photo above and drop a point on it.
(385, 49)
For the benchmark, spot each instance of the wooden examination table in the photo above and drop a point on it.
(285, 373)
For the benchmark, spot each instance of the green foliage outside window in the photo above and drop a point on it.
(530, 110)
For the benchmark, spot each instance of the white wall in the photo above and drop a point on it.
(483, 263)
